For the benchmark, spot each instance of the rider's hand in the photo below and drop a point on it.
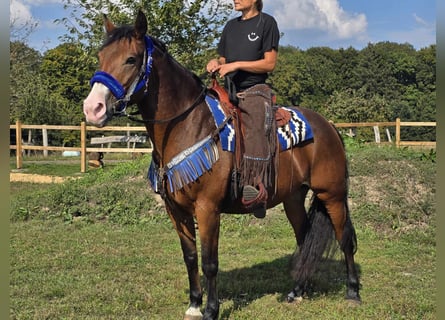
(213, 66)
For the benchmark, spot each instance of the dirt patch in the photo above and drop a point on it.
(34, 178)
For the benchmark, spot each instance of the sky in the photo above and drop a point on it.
(304, 23)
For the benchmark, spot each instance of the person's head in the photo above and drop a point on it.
(241, 5)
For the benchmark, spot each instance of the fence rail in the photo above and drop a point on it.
(20, 145)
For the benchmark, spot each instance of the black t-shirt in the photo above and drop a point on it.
(248, 40)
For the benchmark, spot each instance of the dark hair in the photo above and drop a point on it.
(259, 5)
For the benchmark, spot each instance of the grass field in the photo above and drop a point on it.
(73, 261)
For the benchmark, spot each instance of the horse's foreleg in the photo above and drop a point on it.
(209, 223)
(185, 227)
(190, 254)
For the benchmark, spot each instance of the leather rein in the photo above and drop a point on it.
(197, 101)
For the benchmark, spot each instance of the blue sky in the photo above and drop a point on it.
(305, 23)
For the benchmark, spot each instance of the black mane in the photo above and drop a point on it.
(128, 32)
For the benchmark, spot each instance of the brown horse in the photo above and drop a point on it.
(137, 69)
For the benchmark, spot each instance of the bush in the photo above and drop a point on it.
(120, 195)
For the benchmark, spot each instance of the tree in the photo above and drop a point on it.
(24, 69)
(189, 28)
(69, 68)
(320, 76)
(355, 106)
(19, 30)
(285, 78)
(33, 97)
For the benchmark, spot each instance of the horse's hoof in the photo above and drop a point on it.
(291, 298)
(296, 300)
(353, 296)
(193, 314)
(354, 302)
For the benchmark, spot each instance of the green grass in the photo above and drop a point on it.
(56, 165)
(125, 262)
(60, 168)
(106, 271)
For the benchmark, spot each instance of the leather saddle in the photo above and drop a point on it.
(282, 117)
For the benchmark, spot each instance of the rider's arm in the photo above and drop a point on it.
(267, 64)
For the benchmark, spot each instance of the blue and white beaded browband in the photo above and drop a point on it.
(193, 162)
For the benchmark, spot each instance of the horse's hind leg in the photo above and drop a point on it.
(345, 234)
(324, 216)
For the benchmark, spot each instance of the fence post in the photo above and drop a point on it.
(45, 140)
(398, 132)
(388, 134)
(128, 135)
(18, 143)
(83, 147)
(376, 134)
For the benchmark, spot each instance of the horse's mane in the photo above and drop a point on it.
(128, 32)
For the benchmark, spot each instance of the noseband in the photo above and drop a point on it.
(117, 89)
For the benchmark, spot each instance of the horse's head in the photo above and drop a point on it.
(125, 64)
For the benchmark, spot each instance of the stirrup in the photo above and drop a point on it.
(255, 200)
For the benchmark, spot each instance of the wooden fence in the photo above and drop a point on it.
(20, 146)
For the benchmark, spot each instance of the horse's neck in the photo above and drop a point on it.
(177, 90)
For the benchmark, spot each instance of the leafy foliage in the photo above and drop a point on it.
(69, 68)
(190, 28)
(378, 83)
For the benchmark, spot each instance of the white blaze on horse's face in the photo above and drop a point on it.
(95, 105)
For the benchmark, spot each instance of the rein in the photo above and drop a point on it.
(197, 101)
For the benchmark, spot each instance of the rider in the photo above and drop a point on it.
(248, 51)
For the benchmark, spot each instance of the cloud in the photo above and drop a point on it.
(420, 21)
(21, 10)
(322, 15)
(19, 13)
(422, 35)
(422, 24)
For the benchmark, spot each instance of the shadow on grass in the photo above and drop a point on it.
(245, 285)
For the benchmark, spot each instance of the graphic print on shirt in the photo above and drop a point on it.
(253, 37)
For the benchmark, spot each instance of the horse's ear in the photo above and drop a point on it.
(109, 26)
(140, 25)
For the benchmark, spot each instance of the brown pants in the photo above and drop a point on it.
(259, 135)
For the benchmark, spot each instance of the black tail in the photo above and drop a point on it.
(319, 239)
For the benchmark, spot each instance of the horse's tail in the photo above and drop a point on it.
(319, 239)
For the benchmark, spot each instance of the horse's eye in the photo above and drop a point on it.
(131, 60)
